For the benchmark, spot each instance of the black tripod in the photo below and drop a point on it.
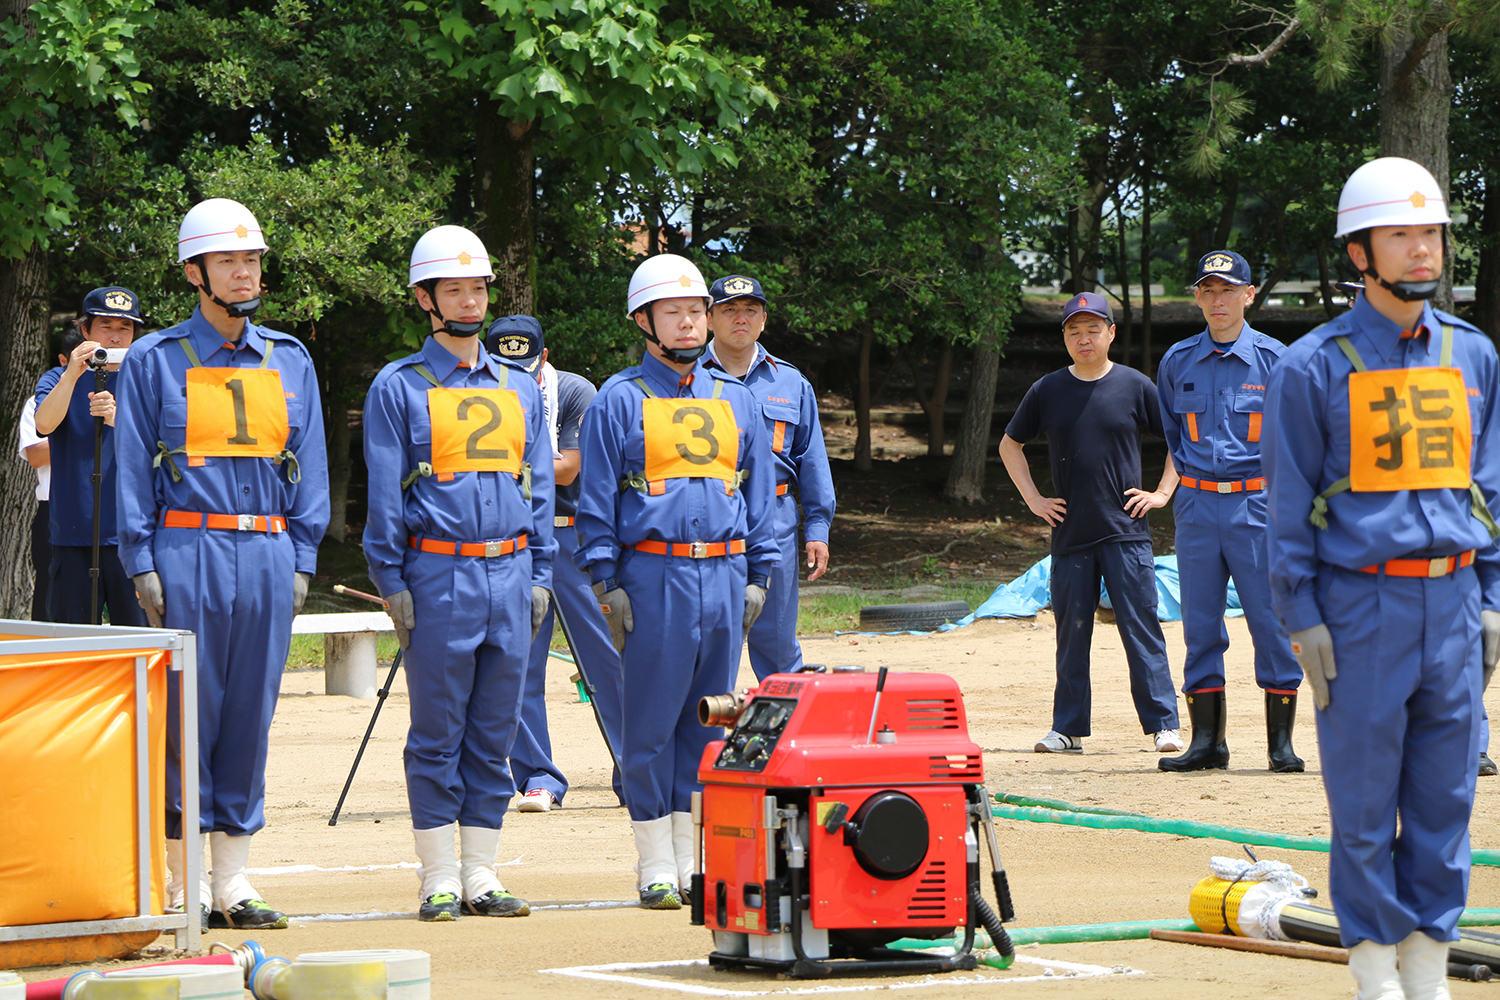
(97, 363)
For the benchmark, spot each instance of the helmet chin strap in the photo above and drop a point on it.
(452, 327)
(1406, 291)
(686, 356)
(236, 310)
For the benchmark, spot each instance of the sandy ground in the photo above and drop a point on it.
(583, 853)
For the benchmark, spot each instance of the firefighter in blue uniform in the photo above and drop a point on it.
(565, 396)
(222, 494)
(459, 543)
(1381, 454)
(1212, 389)
(789, 406)
(676, 531)
(65, 414)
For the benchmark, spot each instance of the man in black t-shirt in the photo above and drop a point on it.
(1093, 413)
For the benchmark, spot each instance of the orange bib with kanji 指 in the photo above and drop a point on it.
(476, 430)
(1408, 430)
(690, 439)
(236, 412)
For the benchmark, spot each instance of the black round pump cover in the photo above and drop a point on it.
(892, 837)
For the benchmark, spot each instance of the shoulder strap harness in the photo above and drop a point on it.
(656, 487)
(424, 469)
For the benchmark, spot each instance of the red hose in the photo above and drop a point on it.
(52, 989)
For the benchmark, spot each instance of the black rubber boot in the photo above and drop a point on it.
(1208, 751)
(1281, 716)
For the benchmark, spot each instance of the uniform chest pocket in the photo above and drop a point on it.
(781, 421)
(1189, 405)
(1248, 408)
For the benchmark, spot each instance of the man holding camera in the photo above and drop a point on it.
(69, 418)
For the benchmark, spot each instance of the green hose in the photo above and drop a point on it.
(1022, 800)
(1189, 828)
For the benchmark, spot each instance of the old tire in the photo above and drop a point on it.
(922, 617)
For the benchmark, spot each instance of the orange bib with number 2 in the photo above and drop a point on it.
(476, 430)
(1408, 430)
(690, 439)
(236, 412)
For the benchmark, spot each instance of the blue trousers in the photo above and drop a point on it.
(689, 617)
(1219, 536)
(773, 638)
(465, 670)
(233, 590)
(70, 588)
(1129, 574)
(1399, 739)
(531, 756)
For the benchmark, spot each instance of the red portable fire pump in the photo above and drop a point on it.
(840, 814)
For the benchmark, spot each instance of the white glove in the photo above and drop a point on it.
(299, 592)
(755, 603)
(403, 615)
(1313, 648)
(617, 614)
(541, 600)
(148, 592)
(1489, 624)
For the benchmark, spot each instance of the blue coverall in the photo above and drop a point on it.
(232, 588)
(1400, 736)
(466, 663)
(531, 757)
(790, 408)
(1212, 402)
(689, 612)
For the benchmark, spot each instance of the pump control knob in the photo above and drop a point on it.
(755, 748)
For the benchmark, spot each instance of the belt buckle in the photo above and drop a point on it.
(247, 522)
(493, 549)
(1437, 567)
(699, 550)
(1224, 487)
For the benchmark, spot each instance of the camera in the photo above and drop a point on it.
(106, 356)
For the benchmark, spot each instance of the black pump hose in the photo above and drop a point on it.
(992, 925)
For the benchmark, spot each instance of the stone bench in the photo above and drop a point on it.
(349, 660)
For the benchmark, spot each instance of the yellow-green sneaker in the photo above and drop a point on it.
(439, 906)
(661, 896)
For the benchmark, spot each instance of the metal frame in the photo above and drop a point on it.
(45, 637)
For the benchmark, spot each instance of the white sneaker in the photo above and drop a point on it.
(1167, 741)
(538, 800)
(1056, 742)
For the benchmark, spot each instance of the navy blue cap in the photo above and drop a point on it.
(1225, 264)
(517, 339)
(735, 286)
(112, 301)
(1088, 302)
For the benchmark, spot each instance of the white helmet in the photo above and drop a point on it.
(1390, 191)
(448, 252)
(218, 224)
(665, 276)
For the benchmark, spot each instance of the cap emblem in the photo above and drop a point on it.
(685, 281)
(1218, 262)
(514, 346)
(464, 258)
(119, 301)
(241, 232)
(1418, 200)
(738, 286)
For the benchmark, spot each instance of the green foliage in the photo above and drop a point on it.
(64, 54)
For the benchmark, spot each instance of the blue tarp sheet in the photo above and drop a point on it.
(1028, 593)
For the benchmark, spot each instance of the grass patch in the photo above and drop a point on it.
(824, 614)
(307, 651)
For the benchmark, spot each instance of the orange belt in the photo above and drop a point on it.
(228, 522)
(562, 521)
(486, 550)
(1242, 486)
(1430, 568)
(781, 489)
(693, 550)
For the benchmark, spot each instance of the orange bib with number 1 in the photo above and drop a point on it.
(1408, 430)
(236, 412)
(690, 439)
(476, 430)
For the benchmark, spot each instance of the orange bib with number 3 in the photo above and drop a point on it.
(236, 412)
(1408, 430)
(690, 439)
(476, 430)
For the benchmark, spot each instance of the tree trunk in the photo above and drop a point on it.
(504, 172)
(972, 447)
(934, 405)
(1416, 93)
(1123, 264)
(1326, 286)
(1146, 266)
(862, 459)
(1074, 283)
(1487, 281)
(340, 469)
(23, 317)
